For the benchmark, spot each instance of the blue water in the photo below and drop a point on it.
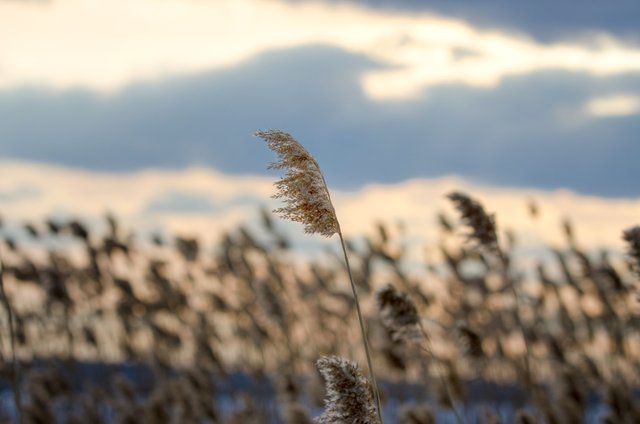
(481, 395)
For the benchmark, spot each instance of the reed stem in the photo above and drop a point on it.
(15, 377)
(443, 380)
(376, 393)
(504, 262)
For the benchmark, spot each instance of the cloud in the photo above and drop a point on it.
(181, 202)
(204, 119)
(134, 198)
(18, 192)
(529, 131)
(185, 201)
(546, 20)
(613, 105)
(74, 43)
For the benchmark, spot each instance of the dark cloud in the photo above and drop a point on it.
(543, 19)
(525, 132)
(206, 119)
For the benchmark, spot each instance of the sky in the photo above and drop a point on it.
(205, 203)
(535, 96)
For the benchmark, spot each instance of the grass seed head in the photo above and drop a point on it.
(470, 342)
(303, 187)
(632, 237)
(483, 226)
(349, 396)
(398, 313)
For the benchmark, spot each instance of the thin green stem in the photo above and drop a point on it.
(376, 393)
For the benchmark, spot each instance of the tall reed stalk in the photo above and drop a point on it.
(484, 234)
(307, 200)
(15, 377)
(362, 328)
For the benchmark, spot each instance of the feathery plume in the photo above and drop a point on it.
(473, 214)
(348, 397)
(470, 342)
(303, 187)
(632, 237)
(398, 313)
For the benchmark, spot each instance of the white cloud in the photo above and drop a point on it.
(598, 221)
(614, 105)
(105, 45)
(58, 190)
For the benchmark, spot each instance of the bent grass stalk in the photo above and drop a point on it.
(307, 200)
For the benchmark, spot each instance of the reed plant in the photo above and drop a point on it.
(307, 200)
(15, 370)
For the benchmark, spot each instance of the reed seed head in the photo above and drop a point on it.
(398, 313)
(632, 237)
(470, 342)
(303, 187)
(483, 226)
(349, 397)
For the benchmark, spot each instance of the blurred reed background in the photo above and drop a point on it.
(186, 303)
(112, 328)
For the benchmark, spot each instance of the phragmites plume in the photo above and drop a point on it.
(632, 237)
(349, 398)
(398, 314)
(483, 226)
(470, 342)
(303, 187)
